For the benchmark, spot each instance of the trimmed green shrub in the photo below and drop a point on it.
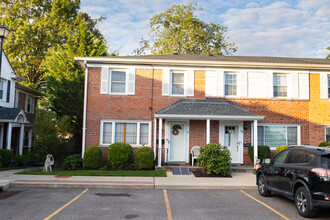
(72, 162)
(5, 157)
(92, 158)
(120, 154)
(263, 152)
(215, 159)
(19, 160)
(280, 148)
(144, 158)
(324, 144)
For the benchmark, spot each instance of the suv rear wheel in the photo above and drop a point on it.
(303, 202)
(262, 186)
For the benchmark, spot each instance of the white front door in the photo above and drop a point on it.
(231, 141)
(177, 141)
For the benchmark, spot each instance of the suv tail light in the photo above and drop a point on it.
(324, 174)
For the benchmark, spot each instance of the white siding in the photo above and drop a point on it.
(244, 86)
(269, 84)
(294, 83)
(256, 84)
(6, 74)
(303, 85)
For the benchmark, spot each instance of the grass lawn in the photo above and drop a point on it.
(9, 168)
(148, 173)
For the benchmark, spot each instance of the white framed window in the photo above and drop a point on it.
(327, 133)
(135, 133)
(328, 86)
(278, 135)
(177, 82)
(2, 90)
(230, 84)
(117, 81)
(280, 85)
(29, 104)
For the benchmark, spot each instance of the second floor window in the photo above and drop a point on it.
(328, 87)
(280, 85)
(118, 81)
(29, 105)
(1, 90)
(177, 83)
(230, 84)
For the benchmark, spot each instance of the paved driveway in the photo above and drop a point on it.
(60, 203)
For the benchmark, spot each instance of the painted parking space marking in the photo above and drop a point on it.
(168, 208)
(264, 204)
(63, 207)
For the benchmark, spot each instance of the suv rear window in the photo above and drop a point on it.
(325, 160)
(299, 156)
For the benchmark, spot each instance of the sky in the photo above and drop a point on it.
(292, 28)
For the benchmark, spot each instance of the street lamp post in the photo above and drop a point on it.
(4, 31)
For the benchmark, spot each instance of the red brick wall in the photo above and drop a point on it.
(100, 106)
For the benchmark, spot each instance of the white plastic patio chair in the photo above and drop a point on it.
(195, 153)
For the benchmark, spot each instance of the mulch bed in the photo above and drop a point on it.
(8, 194)
(199, 173)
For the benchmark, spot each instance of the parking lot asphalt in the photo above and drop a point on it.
(61, 203)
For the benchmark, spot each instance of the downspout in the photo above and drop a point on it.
(85, 111)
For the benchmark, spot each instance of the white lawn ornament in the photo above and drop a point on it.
(49, 163)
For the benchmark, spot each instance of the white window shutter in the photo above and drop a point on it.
(166, 82)
(211, 83)
(294, 84)
(104, 80)
(324, 86)
(190, 83)
(220, 83)
(269, 84)
(131, 81)
(238, 84)
(289, 85)
(303, 85)
(243, 84)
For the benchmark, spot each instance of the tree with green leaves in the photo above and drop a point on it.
(178, 30)
(65, 77)
(36, 27)
(328, 57)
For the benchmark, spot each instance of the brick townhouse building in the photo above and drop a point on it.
(174, 102)
(17, 110)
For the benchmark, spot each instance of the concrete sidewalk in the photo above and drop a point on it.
(237, 181)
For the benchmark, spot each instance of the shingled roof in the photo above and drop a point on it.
(204, 109)
(258, 59)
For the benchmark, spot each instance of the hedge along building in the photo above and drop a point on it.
(174, 102)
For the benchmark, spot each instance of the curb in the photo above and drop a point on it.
(68, 185)
(5, 186)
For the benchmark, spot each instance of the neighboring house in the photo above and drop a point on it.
(17, 110)
(174, 102)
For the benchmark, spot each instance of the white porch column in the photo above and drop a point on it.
(155, 137)
(207, 131)
(160, 130)
(9, 131)
(1, 136)
(21, 139)
(255, 141)
(30, 139)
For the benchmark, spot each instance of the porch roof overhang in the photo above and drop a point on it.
(13, 115)
(206, 109)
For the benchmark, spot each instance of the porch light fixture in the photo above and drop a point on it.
(4, 31)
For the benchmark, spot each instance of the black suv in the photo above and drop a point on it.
(301, 173)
